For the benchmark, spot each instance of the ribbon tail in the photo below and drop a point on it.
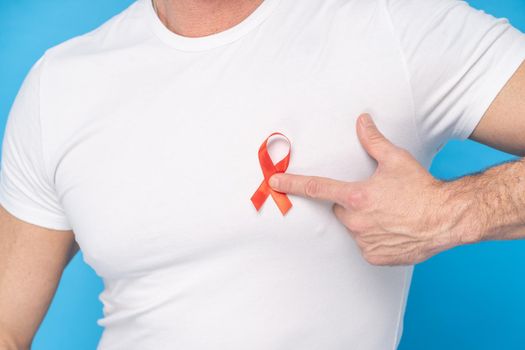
(260, 195)
(282, 201)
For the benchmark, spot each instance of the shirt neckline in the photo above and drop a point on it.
(210, 41)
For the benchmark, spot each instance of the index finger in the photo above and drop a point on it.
(316, 187)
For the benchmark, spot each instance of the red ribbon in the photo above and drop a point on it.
(268, 169)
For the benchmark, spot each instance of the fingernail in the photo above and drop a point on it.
(274, 181)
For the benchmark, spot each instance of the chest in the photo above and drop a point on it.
(166, 171)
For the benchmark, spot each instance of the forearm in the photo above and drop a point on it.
(488, 205)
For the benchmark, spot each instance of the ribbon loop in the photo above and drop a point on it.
(268, 169)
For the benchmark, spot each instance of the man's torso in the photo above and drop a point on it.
(154, 155)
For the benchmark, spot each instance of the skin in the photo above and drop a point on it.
(195, 18)
(32, 258)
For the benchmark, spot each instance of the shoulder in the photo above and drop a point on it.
(414, 8)
(124, 29)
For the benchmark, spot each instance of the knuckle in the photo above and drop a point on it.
(363, 245)
(376, 260)
(357, 199)
(312, 187)
(355, 224)
(369, 258)
(376, 137)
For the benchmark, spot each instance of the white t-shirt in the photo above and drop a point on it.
(144, 142)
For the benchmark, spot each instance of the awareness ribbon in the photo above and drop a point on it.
(268, 169)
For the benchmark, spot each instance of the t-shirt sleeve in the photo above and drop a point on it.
(26, 188)
(458, 59)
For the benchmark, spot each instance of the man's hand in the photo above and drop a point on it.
(401, 215)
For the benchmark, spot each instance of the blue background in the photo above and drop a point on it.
(470, 297)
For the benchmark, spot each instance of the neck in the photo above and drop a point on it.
(195, 18)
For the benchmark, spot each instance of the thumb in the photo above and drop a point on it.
(372, 140)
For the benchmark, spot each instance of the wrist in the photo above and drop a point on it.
(464, 220)
(482, 206)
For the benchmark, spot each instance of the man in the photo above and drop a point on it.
(139, 141)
